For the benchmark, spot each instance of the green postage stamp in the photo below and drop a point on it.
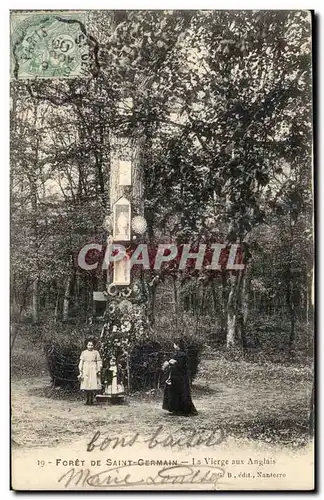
(48, 45)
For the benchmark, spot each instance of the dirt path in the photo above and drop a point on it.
(252, 411)
(45, 417)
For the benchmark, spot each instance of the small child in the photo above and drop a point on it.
(114, 389)
(89, 372)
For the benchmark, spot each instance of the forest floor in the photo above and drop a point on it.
(260, 402)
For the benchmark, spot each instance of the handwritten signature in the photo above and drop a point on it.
(193, 439)
(124, 476)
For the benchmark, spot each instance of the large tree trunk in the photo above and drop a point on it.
(237, 306)
(235, 321)
(244, 308)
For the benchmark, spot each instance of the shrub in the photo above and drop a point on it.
(147, 358)
(63, 344)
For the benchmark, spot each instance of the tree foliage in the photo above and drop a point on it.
(222, 108)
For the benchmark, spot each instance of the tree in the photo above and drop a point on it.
(223, 102)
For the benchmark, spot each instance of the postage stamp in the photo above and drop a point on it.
(49, 45)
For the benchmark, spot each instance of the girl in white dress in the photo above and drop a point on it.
(114, 390)
(89, 372)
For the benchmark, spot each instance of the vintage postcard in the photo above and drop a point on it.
(162, 254)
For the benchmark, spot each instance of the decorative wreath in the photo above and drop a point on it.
(137, 311)
(127, 292)
(112, 308)
(112, 289)
(125, 306)
(137, 287)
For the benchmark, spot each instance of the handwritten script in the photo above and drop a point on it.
(132, 475)
(157, 439)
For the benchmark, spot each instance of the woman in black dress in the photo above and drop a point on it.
(177, 398)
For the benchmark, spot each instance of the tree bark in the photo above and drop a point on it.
(245, 297)
(66, 301)
(231, 323)
(14, 329)
(231, 314)
(57, 302)
(77, 292)
(94, 288)
(244, 305)
(152, 299)
(235, 330)
(215, 307)
(290, 303)
(213, 291)
(203, 301)
(35, 301)
(224, 299)
(176, 305)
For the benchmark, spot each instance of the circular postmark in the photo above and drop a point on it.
(49, 46)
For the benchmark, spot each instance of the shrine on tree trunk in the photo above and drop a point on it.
(125, 318)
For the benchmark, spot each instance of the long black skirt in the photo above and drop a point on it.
(177, 398)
